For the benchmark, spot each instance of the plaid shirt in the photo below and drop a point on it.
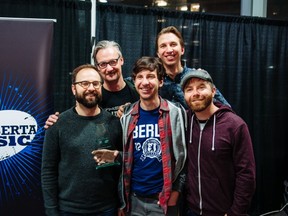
(172, 137)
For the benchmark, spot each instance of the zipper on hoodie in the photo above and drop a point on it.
(199, 172)
(201, 126)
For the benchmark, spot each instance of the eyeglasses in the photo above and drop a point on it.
(112, 63)
(86, 84)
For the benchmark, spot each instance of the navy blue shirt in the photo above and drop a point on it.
(147, 172)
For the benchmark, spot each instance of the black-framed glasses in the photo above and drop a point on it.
(86, 84)
(112, 63)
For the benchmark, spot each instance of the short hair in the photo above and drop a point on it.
(148, 63)
(79, 68)
(173, 30)
(105, 44)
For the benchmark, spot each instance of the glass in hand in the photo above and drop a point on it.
(105, 158)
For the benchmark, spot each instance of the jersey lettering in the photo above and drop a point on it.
(146, 131)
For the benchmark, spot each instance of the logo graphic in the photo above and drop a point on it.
(23, 111)
(152, 149)
(17, 130)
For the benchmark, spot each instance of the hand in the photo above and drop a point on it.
(121, 212)
(121, 109)
(105, 156)
(173, 198)
(52, 119)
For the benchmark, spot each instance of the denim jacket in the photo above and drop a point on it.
(171, 90)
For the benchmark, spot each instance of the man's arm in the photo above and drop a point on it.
(49, 172)
(245, 169)
(52, 119)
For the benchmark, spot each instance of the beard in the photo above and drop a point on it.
(202, 105)
(88, 103)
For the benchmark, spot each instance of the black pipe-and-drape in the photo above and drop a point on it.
(72, 33)
(71, 47)
(248, 59)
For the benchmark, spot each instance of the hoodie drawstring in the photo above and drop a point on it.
(191, 129)
(213, 135)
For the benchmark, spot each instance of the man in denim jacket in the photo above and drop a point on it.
(170, 48)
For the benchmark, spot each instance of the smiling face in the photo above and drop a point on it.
(169, 49)
(91, 96)
(198, 94)
(147, 84)
(110, 73)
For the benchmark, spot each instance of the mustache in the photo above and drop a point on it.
(87, 94)
(111, 72)
(94, 93)
(196, 98)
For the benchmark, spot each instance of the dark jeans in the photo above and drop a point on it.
(109, 212)
(190, 213)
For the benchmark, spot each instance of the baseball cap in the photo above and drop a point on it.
(193, 73)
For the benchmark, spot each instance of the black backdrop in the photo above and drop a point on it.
(72, 43)
(248, 59)
(246, 56)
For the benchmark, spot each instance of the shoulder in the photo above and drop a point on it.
(107, 115)
(131, 109)
(174, 105)
(183, 73)
(177, 113)
(186, 70)
(227, 115)
(65, 120)
(66, 115)
(67, 112)
(129, 82)
(112, 122)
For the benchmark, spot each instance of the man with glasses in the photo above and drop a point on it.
(116, 91)
(170, 49)
(154, 149)
(71, 183)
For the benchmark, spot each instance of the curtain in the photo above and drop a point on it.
(72, 33)
(71, 48)
(133, 33)
(247, 58)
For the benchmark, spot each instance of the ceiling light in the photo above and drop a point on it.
(103, 1)
(195, 7)
(161, 3)
(183, 8)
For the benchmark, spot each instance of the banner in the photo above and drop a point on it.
(25, 103)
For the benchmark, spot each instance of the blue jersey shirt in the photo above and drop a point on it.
(147, 171)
